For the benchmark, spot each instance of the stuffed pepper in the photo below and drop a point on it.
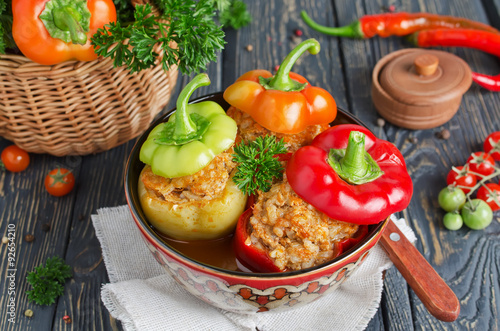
(285, 105)
(331, 191)
(185, 189)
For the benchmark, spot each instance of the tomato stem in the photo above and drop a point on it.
(483, 180)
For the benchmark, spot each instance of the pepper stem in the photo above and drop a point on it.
(67, 20)
(352, 30)
(282, 81)
(184, 125)
(354, 164)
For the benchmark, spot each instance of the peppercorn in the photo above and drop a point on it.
(297, 32)
(46, 227)
(380, 122)
(249, 48)
(29, 238)
(413, 139)
(28, 313)
(276, 67)
(444, 134)
(67, 319)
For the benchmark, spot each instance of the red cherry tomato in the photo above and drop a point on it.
(15, 159)
(461, 178)
(59, 182)
(492, 145)
(481, 163)
(490, 194)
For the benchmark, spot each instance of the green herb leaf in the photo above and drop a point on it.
(48, 282)
(6, 40)
(234, 14)
(188, 24)
(257, 164)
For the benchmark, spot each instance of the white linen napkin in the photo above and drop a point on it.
(144, 297)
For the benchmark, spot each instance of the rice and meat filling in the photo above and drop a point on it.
(206, 184)
(294, 233)
(249, 130)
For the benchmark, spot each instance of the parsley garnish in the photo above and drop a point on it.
(257, 164)
(234, 14)
(189, 24)
(48, 281)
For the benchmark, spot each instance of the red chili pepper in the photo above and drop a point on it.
(485, 41)
(350, 175)
(396, 24)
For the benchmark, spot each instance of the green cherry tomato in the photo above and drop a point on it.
(476, 214)
(452, 221)
(451, 198)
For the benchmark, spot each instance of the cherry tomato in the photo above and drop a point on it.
(453, 221)
(59, 182)
(451, 198)
(490, 193)
(481, 163)
(462, 178)
(492, 145)
(15, 159)
(476, 214)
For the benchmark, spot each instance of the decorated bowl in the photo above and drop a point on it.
(235, 290)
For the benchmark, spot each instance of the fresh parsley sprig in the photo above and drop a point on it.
(48, 281)
(190, 24)
(234, 14)
(257, 164)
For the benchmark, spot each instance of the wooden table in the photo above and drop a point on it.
(467, 260)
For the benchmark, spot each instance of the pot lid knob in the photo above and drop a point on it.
(426, 64)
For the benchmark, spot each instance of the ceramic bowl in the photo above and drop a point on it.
(239, 291)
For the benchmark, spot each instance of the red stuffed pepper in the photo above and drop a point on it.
(350, 175)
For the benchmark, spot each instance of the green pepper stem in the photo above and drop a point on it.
(184, 126)
(352, 30)
(68, 19)
(354, 161)
(354, 164)
(282, 81)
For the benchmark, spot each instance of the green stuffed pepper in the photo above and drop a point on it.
(186, 188)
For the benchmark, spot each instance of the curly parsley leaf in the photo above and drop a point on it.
(234, 15)
(6, 40)
(48, 281)
(257, 164)
(184, 34)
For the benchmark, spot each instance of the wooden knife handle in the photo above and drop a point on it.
(434, 293)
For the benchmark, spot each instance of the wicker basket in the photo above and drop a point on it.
(78, 108)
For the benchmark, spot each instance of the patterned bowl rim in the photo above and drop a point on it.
(132, 170)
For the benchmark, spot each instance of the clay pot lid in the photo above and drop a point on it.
(425, 77)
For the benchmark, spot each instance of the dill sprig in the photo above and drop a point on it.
(185, 34)
(48, 281)
(257, 164)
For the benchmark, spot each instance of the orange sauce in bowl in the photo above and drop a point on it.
(217, 252)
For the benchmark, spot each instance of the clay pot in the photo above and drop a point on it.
(419, 89)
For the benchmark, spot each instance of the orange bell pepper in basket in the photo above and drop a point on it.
(53, 31)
